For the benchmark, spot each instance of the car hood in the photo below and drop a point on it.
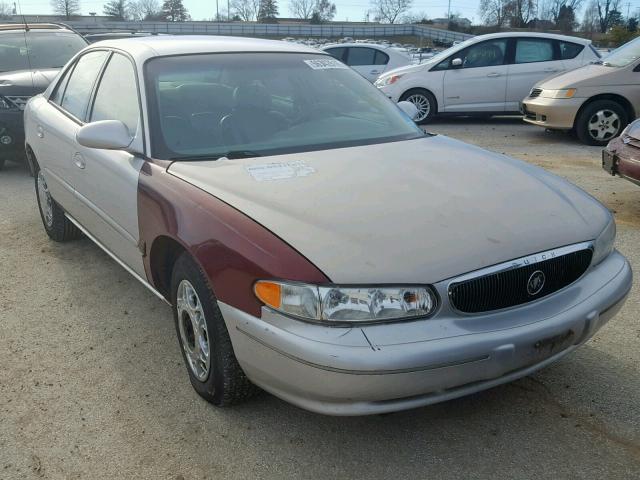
(26, 82)
(406, 69)
(416, 211)
(585, 76)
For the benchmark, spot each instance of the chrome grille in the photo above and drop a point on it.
(19, 101)
(509, 286)
(535, 92)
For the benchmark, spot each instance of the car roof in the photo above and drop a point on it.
(584, 41)
(358, 44)
(142, 48)
(7, 27)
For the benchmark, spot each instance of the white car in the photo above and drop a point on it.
(487, 74)
(369, 59)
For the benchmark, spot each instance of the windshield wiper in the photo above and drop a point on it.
(230, 155)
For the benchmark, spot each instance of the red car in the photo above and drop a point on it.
(622, 155)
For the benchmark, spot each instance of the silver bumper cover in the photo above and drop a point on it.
(383, 368)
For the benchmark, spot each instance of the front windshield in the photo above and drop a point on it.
(37, 50)
(623, 56)
(265, 104)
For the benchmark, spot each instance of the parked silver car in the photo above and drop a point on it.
(311, 239)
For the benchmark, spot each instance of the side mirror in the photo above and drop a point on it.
(105, 134)
(456, 62)
(409, 108)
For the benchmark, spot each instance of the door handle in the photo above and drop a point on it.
(374, 71)
(78, 159)
(493, 74)
(550, 70)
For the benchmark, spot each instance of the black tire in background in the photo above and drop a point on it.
(2, 160)
(56, 224)
(424, 101)
(600, 122)
(223, 383)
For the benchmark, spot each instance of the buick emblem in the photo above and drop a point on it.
(535, 282)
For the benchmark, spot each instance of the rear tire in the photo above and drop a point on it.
(424, 101)
(206, 348)
(600, 122)
(56, 224)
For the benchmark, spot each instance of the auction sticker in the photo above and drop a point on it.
(279, 171)
(325, 63)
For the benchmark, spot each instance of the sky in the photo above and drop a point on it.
(351, 10)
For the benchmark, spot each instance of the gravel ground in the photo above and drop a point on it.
(92, 384)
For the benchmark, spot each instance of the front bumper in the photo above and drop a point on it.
(383, 368)
(553, 113)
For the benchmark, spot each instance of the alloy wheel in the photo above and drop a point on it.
(44, 197)
(604, 125)
(422, 104)
(193, 330)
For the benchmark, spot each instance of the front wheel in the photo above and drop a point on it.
(600, 122)
(204, 340)
(424, 101)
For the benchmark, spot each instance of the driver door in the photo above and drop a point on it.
(479, 84)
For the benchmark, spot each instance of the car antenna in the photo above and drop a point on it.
(26, 43)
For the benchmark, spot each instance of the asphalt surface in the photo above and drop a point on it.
(92, 384)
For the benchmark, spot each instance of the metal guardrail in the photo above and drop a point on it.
(275, 30)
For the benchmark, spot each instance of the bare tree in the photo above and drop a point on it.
(606, 9)
(145, 9)
(323, 11)
(494, 12)
(388, 11)
(520, 12)
(6, 11)
(247, 10)
(66, 8)
(590, 21)
(302, 8)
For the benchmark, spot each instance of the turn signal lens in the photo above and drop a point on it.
(269, 293)
(563, 93)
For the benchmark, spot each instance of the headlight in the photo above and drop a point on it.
(603, 245)
(563, 93)
(6, 104)
(389, 80)
(337, 304)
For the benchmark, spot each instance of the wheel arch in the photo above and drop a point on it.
(163, 254)
(412, 89)
(32, 162)
(616, 97)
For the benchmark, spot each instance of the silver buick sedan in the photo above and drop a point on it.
(311, 240)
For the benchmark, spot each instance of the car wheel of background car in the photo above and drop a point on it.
(2, 160)
(56, 224)
(424, 101)
(600, 121)
(204, 340)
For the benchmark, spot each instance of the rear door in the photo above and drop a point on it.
(368, 62)
(534, 59)
(480, 83)
(107, 182)
(57, 124)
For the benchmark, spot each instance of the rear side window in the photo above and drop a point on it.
(570, 50)
(337, 52)
(117, 94)
(381, 58)
(533, 50)
(361, 56)
(78, 91)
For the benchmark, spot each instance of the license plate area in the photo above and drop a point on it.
(549, 346)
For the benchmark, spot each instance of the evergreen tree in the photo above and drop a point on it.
(174, 11)
(117, 9)
(268, 11)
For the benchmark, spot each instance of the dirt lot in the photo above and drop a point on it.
(92, 384)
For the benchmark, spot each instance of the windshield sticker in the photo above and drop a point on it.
(279, 171)
(325, 63)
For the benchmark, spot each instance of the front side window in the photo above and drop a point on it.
(75, 98)
(361, 56)
(531, 50)
(38, 50)
(264, 104)
(117, 94)
(486, 54)
(570, 50)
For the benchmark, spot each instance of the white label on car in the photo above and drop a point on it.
(325, 63)
(279, 171)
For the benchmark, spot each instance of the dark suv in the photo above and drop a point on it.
(31, 55)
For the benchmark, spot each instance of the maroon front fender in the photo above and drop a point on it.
(232, 249)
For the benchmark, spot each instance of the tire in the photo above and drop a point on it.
(424, 101)
(2, 160)
(56, 224)
(216, 377)
(607, 116)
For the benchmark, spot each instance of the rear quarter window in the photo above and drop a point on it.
(570, 50)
